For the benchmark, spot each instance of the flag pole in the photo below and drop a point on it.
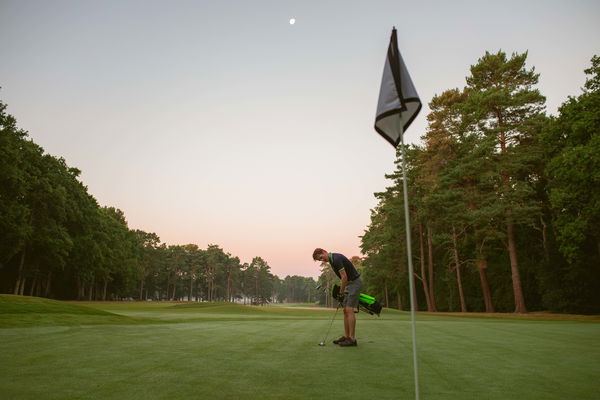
(411, 279)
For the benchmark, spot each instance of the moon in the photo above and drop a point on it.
(292, 21)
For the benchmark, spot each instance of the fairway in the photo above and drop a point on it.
(54, 350)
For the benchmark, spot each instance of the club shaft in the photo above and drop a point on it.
(334, 314)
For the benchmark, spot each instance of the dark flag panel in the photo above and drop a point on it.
(399, 102)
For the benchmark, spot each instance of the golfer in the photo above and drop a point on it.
(350, 287)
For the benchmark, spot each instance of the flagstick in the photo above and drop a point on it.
(410, 266)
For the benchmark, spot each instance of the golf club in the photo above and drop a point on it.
(327, 334)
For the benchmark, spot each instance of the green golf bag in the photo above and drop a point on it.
(365, 302)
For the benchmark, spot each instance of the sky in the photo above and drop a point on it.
(219, 122)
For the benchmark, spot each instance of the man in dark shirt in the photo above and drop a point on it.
(350, 287)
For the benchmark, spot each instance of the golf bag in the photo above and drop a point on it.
(365, 302)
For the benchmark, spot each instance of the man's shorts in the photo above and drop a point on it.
(352, 293)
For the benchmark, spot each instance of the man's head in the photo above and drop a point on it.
(320, 255)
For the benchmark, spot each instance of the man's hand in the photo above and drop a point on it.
(344, 281)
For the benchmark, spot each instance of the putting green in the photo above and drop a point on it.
(224, 351)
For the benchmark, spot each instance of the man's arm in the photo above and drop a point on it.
(344, 280)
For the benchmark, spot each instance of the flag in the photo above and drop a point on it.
(399, 102)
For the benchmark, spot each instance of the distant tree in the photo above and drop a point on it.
(148, 243)
(216, 261)
(263, 281)
(326, 280)
(296, 289)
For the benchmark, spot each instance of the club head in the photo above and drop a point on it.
(318, 287)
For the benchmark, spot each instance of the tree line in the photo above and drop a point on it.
(57, 241)
(504, 200)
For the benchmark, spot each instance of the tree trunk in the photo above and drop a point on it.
(20, 283)
(22, 289)
(48, 285)
(91, 291)
(257, 286)
(485, 288)
(20, 273)
(209, 282)
(141, 289)
(40, 287)
(415, 301)
(423, 274)
(168, 286)
(463, 304)
(33, 285)
(78, 281)
(230, 286)
(104, 290)
(191, 289)
(399, 302)
(512, 249)
(514, 268)
(545, 238)
(430, 261)
(387, 299)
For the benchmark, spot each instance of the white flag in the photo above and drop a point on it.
(399, 102)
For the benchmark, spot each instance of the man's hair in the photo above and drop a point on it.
(317, 252)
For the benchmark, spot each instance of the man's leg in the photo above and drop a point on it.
(350, 321)
(350, 325)
(350, 303)
(347, 322)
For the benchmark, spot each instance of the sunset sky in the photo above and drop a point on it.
(219, 122)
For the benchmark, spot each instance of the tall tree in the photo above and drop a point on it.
(454, 166)
(504, 105)
(435, 191)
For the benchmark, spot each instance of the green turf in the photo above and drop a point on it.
(224, 351)
(25, 311)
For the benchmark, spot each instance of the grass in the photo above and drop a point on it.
(226, 351)
(25, 311)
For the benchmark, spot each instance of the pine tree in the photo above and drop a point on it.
(504, 107)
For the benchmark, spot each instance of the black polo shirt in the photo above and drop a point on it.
(339, 262)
